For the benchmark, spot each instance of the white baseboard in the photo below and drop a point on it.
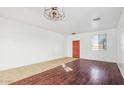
(121, 70)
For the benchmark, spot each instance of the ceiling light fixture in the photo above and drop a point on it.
(54, 13)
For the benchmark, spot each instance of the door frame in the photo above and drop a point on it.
(73, 49)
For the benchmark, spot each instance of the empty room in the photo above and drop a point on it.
(61, 46)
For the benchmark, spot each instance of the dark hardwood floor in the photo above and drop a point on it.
(85, 72)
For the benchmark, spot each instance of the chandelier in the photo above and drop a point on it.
(54, 13)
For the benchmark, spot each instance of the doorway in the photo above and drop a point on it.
(76, 48)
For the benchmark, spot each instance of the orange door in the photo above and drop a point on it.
(76, 49)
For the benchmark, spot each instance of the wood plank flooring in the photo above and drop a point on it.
(85, 72)
(12, 75)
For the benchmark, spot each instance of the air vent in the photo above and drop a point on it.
(73, 33)
(97, 19)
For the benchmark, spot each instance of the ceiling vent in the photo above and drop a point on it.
(73, 33)
(97, 19)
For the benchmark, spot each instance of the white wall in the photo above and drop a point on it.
(120, 33)
(85, 46)
(22, 44)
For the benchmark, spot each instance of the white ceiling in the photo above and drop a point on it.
(76, 20)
